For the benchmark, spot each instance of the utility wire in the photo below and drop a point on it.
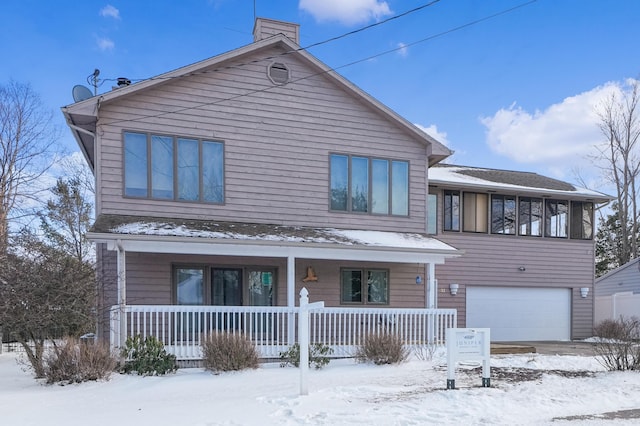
(251, 92)
(289, 52)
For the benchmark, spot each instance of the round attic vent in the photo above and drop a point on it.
(278, 73)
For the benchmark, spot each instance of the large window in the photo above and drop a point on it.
(189, 286)
(475, 210)
(451, 211)
(556, 215)
(365, 286)
(581, 220)
(172, 168)
(530, 217)
(503, 214)
(369, 185)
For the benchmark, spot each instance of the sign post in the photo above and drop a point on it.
(468, 344)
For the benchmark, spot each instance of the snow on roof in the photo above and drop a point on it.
(131, 225)
(505, 179)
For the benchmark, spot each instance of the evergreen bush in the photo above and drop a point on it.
(318, 355)
(147, 357)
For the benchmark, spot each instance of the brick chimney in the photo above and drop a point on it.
(265, 28)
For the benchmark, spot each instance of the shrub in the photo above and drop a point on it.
(228, 352)
(425, 352)
(76, 362)
(383, 348)
(147, 357)
(617, 344)
(318, 355)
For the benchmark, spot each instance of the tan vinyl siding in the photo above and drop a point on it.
(277, 145)
(494, 260)
(149, 278)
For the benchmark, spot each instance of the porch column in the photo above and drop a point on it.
(431, 301)
(291, 281)
(122, 291)
(431, 295)
(291, 297)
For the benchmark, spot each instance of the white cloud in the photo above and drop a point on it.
(105, 44)
(348, 12)
(433, 131)
(110, 12)
(559, 138)
(403, 50)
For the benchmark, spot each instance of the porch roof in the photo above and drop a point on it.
(163, 235)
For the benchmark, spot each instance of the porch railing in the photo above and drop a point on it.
(274, 329)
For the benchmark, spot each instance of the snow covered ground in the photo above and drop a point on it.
(526, 389)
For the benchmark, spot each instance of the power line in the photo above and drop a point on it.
(304, 48)
(386, 52)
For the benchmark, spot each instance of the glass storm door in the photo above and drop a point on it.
(260, 285)
(226, 287)
(226, 290)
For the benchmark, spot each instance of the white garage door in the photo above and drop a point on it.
(520, 314)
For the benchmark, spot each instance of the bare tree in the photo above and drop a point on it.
(620, 125)
(26, 139)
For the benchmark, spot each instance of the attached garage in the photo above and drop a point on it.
(520, 313)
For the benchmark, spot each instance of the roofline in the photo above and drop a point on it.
(618, 269)
(441, 151)
(258, 248)
(539, 192)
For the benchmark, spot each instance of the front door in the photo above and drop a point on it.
(226, 287)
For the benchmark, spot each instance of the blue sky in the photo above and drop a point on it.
(515, 91)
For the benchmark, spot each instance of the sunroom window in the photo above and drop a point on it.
(530, 216)
(556, 218)
(581, 220)
(451, 211)
(173, 168)
(503, 214)
(475, 210)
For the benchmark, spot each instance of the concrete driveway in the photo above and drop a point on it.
(546, 348)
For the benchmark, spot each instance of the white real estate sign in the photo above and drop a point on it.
(468, 344)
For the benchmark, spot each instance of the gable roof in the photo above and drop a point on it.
(82, 116)
(483, 179)
(619, 269)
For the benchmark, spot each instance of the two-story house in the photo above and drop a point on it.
(230, 184)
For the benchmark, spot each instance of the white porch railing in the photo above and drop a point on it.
(273, 329)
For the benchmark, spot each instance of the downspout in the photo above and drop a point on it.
(122, 291)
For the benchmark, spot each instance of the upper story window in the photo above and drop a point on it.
(530, 217)
(556, 215)
(511, 215)
(173, 168)
(503, 214)
(451, 211)
(581, 220)
(369, 185)
(475, 210)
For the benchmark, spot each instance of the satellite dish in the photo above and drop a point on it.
(80, 93)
